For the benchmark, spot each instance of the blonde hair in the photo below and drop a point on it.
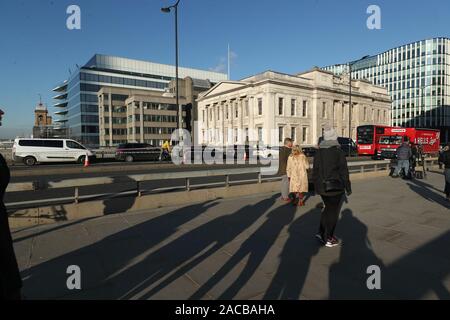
(296, 150)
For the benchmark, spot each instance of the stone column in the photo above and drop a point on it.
(141, 112)
(110, 119)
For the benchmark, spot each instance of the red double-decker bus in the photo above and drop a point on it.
(383, 141)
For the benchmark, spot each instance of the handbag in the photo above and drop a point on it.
(332, 184)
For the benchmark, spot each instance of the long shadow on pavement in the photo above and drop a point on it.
(348, 277)
(295, 258)
(256, 248)
(423, 189)
(104, 258)
(185, 253)
(412, 276)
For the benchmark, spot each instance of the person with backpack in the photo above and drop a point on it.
(331, 181)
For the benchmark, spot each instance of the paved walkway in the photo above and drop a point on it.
(251, 248)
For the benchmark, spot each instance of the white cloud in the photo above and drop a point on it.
(222, 65)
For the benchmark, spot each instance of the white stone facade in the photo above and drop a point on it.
(271, 106)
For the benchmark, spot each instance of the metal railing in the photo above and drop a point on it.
(262, 175)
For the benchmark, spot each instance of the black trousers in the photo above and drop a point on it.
(330, 215)
(10, 281)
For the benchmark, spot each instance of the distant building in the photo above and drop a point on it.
(146, 116)
(77, 100)
(417, 77)
(271, 106)
(43, 126)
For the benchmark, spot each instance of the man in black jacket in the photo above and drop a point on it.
(444, 158)
(283, 155)
(331, 181)
(10, 281)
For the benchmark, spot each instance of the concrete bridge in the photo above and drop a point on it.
(250, 247)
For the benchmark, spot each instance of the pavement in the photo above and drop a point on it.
(251, 248)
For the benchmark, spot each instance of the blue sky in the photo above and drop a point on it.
(37, 50)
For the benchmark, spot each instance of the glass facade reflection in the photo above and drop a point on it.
(417, 76)
(77, 97)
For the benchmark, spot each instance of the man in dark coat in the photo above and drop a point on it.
(10, 281)
(444, 158)
(285, 152)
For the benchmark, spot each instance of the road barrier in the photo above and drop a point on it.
(262, 175)
(29, 213)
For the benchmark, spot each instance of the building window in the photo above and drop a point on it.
(246, 134)
(304, 109)
(304, 135)
(280, 106)
(235, 135)
(260, 134)
(237, 111)
(227, 112)
(293, 133)
(218, 113)
(246, 108)
(365, 114)
(280, 134)
(323, 131)
(260, 107)
(293, 106)
(324, 110)
(343, 112)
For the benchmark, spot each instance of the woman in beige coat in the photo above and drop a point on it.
(296, 170)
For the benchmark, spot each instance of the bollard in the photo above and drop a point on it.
(227, 181)
(188, 184)
(259, 177)
(76, 195)
(138, 188)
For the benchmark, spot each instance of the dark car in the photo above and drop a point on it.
(309, 151)
(130, 152)
(345, 143)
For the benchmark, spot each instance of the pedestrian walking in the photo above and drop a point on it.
(283, 156)
(331, 182)
(404, 154)
(10, 281)
(413, 160)
(444, 158)
(297, 173)
(441, 151)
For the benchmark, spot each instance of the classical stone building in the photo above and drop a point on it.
(270, 106)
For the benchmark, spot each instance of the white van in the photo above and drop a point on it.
(31, 151)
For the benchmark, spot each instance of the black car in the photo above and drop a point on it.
(345, 143)
(130, 152)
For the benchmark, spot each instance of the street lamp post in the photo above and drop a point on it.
(350, 65)
(180, 109)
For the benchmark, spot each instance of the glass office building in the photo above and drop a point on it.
(77, 101)
(417, 76)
